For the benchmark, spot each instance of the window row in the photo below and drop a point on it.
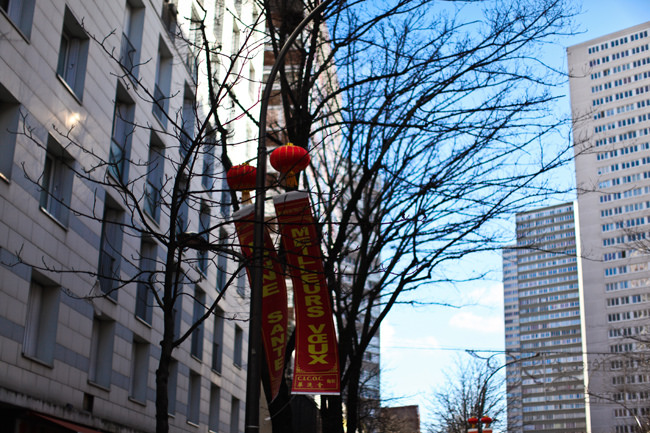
(628, 315)
(42, 320)
(625, 269)
(616, 42)
(625, 300)
(631, 284)
(40, 341)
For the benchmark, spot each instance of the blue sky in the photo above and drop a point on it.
(419, 344)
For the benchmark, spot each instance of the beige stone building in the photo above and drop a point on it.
(70, 358)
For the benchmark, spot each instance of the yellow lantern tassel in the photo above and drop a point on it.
(291, 180)
(245, 196)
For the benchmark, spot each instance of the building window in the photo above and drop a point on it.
(172, 384)
(195, 45)
(154, 182)
(162, 87)
(73, 54)
(56, 182)
(21, 13)
(217, 28)
(110, 249)
(252, 84)
(239, 338)
(144, 295)
(217, 340)
(132, 39)
(9, 115)
(101, 352)
(139, 371)
(208, 164)
(222, 262)
(241, 282)
(236, 52)
(188, 123)
(234, 415)
(182, 201)
(194, 399)
(196, 348)
(169, 16)
(215, 408)
(121, 135)
(225, 197)
(204, 227)
(42, 320)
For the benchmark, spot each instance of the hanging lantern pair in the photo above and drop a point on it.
(473, 421)
(288, 160)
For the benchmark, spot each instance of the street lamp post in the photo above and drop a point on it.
(253, 376)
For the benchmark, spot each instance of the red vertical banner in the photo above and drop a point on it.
(274, 296)
(317, 360)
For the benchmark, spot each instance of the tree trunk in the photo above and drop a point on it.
(162, 379)
(166, 348)
(280, 410)
(332, 414)
(352, 397)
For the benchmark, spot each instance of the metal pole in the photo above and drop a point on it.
(252, 416)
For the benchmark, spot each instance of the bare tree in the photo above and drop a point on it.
(472, 389)
(425, 126)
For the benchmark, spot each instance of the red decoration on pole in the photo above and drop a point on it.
(486, 420)
(242, 178)
(472, 421)
(316, 366)
(274, 296)
(289, 160)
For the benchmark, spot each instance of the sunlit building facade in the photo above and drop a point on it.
(610, 101)
(542, 323)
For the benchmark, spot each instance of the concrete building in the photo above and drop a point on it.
(400, 419)
(542, 323)
(610, 101)
(96, 94)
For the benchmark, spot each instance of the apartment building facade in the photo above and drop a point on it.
(610, 102)
(544, 380)
(95, 94)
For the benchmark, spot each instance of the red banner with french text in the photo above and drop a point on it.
(274, 296)
(316, 369)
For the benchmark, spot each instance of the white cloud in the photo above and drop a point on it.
(487, 324)
(487, 296)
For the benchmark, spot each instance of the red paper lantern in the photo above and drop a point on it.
(242, 178)
(289, 160)
(486, 420)
(472, 421)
